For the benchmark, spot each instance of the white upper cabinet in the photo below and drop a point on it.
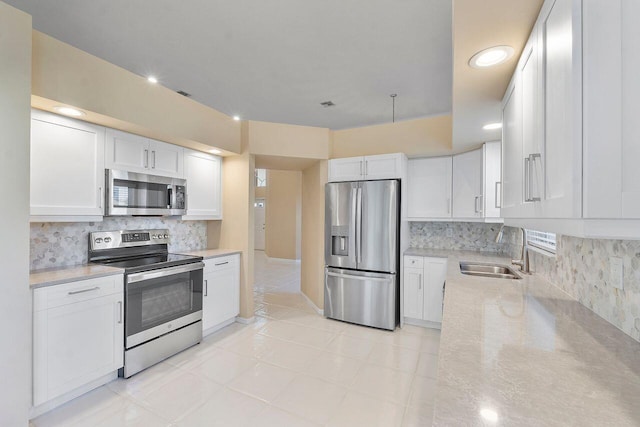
(429, 188)
(512, 164)
(67, 168)
(492, 177)
(133, 153)
(384, 166)
(203, 173)
(467, 185)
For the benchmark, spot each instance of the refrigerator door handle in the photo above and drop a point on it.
(358, 225)
(363, 278)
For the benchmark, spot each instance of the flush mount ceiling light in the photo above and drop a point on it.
(236, 118)
(215, 151)
(68, 111)
(489, 415)
(152, 79)
(492, 126)
(491, 56)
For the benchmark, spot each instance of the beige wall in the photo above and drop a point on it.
(312, 275)
(277, 139)
(15, 304)
(235, 231)
(283, 216)
(118, 98)
(429, 136)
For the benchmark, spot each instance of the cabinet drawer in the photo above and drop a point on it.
(413, 261)
(221, 263)
(69, 293)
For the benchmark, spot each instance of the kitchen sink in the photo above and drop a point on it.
(494, 271)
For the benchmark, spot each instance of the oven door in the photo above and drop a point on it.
(161, 301)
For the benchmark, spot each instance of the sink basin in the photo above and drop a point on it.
(494, 271)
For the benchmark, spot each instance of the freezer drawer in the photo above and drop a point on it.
(361, 297)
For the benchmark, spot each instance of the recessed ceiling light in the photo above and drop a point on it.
(68, 111)
(492, 126)
(489, 415)
(491, 56)
(236, 118)
(215, 151)
(152, 79)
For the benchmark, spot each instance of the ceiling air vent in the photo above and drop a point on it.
(326, 104)
(183, 93)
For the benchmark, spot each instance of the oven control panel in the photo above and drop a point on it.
(127, 238)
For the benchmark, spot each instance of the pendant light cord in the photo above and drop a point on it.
(393, 106)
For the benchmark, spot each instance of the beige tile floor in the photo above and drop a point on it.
(291, 367)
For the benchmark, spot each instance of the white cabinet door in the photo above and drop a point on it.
(165, 159)
(491, 152)
(384, 166)
(349, 169)
(125, 151)
(134, 153)
(435, 274)
(221, 301)
(561, 196)
(77, 343)
(512, 163)
(413, 292)
(467, 184)
(429, 188)
(67, 166)
(203, 173)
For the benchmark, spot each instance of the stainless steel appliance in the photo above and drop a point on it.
(362, 252)
(130, 193)
(163, 294)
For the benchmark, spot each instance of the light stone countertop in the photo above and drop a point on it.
(212, 253)
(56, 276)
(524, 353)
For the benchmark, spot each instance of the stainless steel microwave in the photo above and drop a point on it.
(131, 193)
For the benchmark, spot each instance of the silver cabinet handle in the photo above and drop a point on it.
(222, 263)
(362, 278)
(481, 203)
(498, 195)
(100, 197)
(532, 163)
(83, 291)
(120, 312)
(475, 204)
(146, 158)
(153, 154)
(526, 178)
(206, 288)
(419, 281)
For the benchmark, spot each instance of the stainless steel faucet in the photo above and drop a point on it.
(523, 262)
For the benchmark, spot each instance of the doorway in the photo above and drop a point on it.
(259, 223)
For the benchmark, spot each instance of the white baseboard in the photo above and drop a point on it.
(423, 323)
(218, 327)
(245, 321)
(36, 411)
(283, 260)
(315, 307)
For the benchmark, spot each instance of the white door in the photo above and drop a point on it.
(259, 222)
(435, 273)
(349, 169)
(413, 292)
(125, 151)
(429, 188)
(467, 184)
(383, 166)
(221, 296)
(204, 185)
(492, 177)
(67, 166)
(165, 159)
(512, 163)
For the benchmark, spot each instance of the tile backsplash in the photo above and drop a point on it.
(471, 236)
(63, 244)
(581, 269)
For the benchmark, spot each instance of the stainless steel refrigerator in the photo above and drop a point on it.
(362, 252)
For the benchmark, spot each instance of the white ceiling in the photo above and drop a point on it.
(274, 60)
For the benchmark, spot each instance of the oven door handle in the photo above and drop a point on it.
(154, 274)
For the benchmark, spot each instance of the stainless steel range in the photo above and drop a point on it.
(163, 294)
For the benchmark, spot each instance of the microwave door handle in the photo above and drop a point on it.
(169, 197)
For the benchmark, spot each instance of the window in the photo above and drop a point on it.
(542, 240)
(261, 177)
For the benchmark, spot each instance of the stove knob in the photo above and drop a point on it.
(107, 239)
(166, 236)
(153, 236)
(98, 240)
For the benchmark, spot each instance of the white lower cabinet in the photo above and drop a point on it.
(78, 335)
(423, 282)
(221, 294)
